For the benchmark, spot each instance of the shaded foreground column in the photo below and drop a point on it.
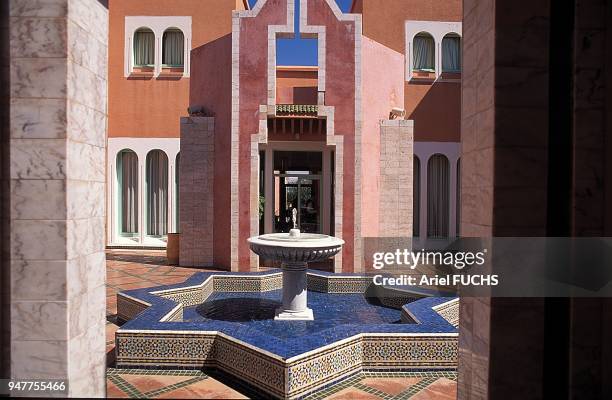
(58, 86)
(536, 151)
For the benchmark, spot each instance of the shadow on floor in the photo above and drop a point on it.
(148, 259)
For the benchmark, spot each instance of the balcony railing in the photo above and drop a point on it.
(289, 110)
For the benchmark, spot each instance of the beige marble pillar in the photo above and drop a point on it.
(58, 75)
(196, 214)
(5, 264)
(396, 153)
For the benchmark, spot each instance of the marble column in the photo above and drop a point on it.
(396, 154)
(295, 292)
(5, 265)
(196, 214)
(58, 112)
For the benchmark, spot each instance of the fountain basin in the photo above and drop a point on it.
(295, 250)
(300, 356)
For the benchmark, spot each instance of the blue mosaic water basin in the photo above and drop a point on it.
(248, 316)
(256, 311)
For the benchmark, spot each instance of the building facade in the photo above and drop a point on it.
(332, 158)
(429, 36)
(150, 47)
(147, 67)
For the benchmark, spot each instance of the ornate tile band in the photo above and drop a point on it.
(156, 335)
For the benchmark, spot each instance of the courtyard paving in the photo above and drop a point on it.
(131, 269)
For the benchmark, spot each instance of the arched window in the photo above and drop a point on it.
(458, 199)
(127, 176)
(416, 195)
(157, 193)
(173, 43)
(144, 48)
(423, 53)
(177, 208)
(438, 187)
(451, 53)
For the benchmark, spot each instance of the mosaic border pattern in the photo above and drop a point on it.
(129, 307)
(280, 377)
(155, 337)
(449, 311)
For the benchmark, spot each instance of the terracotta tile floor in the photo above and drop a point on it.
(130, 269)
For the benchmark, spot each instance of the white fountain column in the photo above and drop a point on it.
(295, 291)
(292, 250)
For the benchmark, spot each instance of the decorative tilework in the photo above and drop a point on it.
(324, 367)
(285, 378)
(169, 349)
(176, 315)
(117, 377)
(449, 311)
(410, 351)
(360, 380)
(349, 285)
(187, 297)
(283, 368)
(265, 372)
(207, 290)
(248, 284)
(317, 283)
(128, 307)
(296, 109)
(397, 301)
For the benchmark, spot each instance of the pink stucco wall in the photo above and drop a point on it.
(211, 87)
(383, 88)
(340, 93)
(253, 92)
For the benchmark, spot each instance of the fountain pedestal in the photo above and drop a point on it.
(295, 250)
(295, 293)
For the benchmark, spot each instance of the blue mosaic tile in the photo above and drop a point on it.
(337, 316)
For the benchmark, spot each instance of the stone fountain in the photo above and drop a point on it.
(295, 250)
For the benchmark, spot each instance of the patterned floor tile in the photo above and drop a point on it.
(122, 280)
(441, 389)
(205, 389)
(150, 383)
(393, 386)
(352, 393)
(112, 391)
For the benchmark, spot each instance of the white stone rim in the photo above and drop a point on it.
(312, 244)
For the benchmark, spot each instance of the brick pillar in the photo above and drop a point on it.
(58, 86)
(196, 214)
